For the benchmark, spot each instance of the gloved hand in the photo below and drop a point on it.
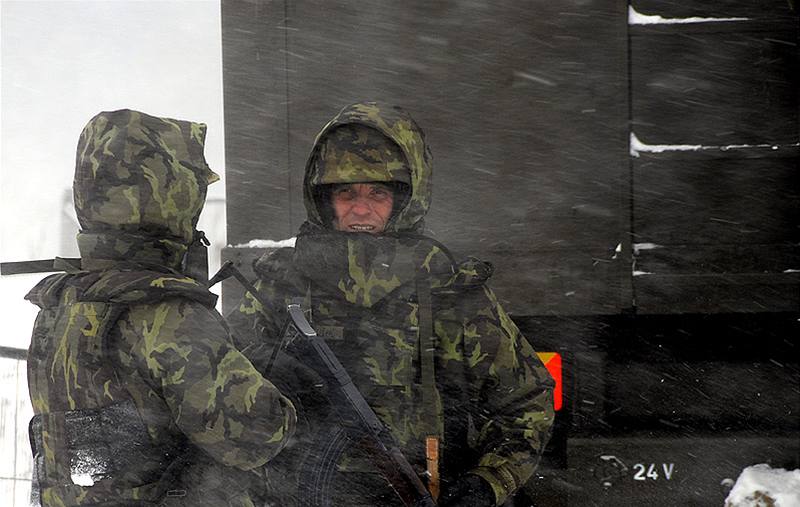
(468, 491)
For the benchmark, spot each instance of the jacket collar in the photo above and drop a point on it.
(365, 268)
(107, 249)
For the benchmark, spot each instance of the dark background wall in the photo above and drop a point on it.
(725, 218)
(668, 279)
(524, 106)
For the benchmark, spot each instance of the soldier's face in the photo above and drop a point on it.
(362, 207)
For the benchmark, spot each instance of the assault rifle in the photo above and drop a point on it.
(360, 421)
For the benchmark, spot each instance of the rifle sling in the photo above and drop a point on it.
(430, 395)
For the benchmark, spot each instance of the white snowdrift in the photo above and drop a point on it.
(267, 243)
(762, 486)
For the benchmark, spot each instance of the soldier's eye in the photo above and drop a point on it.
(380, 193)
(344, 194)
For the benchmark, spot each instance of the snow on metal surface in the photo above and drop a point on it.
(638, 247)
(637, 146)
(267, 243)
(617, 251)
(635, 18)
(763, 485)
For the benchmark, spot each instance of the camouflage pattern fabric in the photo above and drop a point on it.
(129, 347)
(168, 353)
(495, 397)
(396, 125)
(139, 173)
(359, 153)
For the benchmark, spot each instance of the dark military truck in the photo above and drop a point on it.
(630, 169)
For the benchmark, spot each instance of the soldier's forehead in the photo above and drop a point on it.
(338, 186)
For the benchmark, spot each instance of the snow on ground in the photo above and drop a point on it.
(762, 486)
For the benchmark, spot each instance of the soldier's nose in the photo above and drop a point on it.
(360, 207)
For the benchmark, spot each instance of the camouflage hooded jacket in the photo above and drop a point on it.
(138, 392)
(371, 297)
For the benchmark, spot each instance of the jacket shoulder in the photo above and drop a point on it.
(132, 287)
(121, 287)
(468, 274)
(47, 292)
(276, 261)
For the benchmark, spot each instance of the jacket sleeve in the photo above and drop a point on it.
(215, 395)
(255, 331)
(511, 387)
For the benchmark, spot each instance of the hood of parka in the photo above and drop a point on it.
(394, 123)
(140, 185)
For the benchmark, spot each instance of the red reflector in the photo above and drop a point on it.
(552, 361)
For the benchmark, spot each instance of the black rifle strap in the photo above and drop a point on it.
(427, 348)
(430, 395)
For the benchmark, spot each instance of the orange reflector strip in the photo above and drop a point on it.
(552, 361)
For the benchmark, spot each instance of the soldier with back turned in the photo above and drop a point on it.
(140, 397)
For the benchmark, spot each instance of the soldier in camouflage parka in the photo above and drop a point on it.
(140, 397)
(422, 336)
